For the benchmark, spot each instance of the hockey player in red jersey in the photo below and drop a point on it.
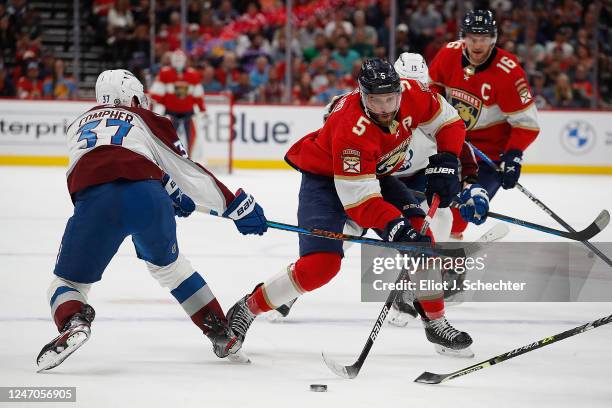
(121, 158)
(346, 186)
(179, 93)
(489, 89)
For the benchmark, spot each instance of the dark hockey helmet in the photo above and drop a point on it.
(479, 22)
(380, 90)
(377, 76)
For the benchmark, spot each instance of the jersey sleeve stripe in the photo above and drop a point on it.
(363, 200)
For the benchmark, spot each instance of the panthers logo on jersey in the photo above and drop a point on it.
(467, 105)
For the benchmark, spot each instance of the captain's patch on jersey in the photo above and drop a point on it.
(351, 161)
(467, 105)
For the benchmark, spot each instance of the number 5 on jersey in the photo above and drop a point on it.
(88, 133)
(360, 127)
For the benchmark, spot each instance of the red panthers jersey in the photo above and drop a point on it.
(178, 91)
(355, 150)
(493, 99)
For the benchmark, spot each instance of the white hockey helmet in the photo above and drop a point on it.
(412, 66)
(120, 87)
(178, 60)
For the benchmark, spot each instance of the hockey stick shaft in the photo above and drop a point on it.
(352, 238)
(431, 378)
(595, 228)
(353, 370)
(543, 206)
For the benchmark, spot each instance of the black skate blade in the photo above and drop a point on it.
(430, 378)
(348, 372)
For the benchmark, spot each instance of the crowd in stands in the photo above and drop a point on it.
(240, 46)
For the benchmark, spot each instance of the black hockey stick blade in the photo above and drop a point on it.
(601, 222)
(348, 372)
(432, 378)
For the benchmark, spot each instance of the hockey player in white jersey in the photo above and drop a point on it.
(121, 159)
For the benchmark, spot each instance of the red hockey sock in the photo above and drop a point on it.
(434, 308)
(213, 306)
(309, 273)
(459, 224)
(314, 270)
(65, 311)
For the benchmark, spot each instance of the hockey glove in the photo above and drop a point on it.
(510, 168)
(474, 204)
(183, 204)
(400, 230)
(247, 214)
(443, 178)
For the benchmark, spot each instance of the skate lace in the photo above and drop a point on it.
(243, 320)
(444, 329)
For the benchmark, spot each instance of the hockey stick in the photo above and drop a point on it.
(601, 222)
(455, 252)
(543, 206)
(431, 378)
(353, 370)
(495, 233)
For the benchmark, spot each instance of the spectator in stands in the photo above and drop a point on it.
(58, 86)
(320, 42)
(260, 73)
(343, 55)
(332, 89)
(227, 74)
(371, 37)
(7, 88)
(302, 91)
(120, 16)
(279, 47)
(538, 80)
(260, 47)
(274, 90)
(423, 23)
(242, 89)
(360, 43)
(307, 34)
(339, 21)
(401, 39)
(195, 45)
(560, 43)
(561, 95)
(582, 83)
(209, 82)
(226, 13)
(29, 86)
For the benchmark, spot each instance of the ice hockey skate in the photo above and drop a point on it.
(225, 343)
(74, 334)
(447, 340)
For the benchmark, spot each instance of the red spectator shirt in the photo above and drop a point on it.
(494, 100)
(178, 91)
(355, 151)
(28, 89)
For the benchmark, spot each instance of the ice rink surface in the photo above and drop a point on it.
(144, 352)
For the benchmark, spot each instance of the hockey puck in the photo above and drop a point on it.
(318, 387)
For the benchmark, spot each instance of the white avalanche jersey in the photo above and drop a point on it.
(109, 143)
(417, 156)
